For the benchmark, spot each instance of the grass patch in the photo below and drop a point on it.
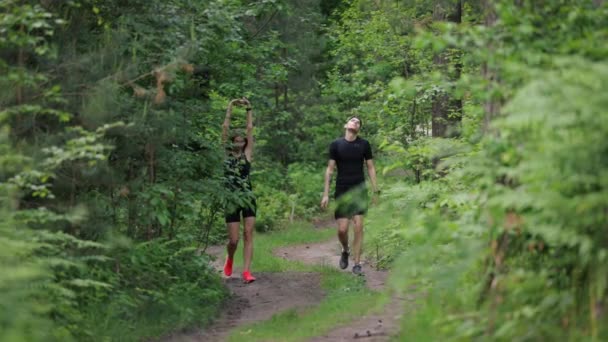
(265, 243)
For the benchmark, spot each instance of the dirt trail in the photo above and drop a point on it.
(373, 327)
(272, 293)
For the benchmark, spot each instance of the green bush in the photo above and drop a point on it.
(305, 188)
(25, 305)
(157, 286)
(509, 243)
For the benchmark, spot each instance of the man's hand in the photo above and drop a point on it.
(324, 201)
(375, 196)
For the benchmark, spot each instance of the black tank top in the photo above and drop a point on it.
(236, 172)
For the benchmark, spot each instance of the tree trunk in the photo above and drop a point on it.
(439, 108)
(131, 209)
(151, 156)
(489, 73)
(499, 246)
(285, 86)
(439, 124)
(21, 64)
(456, 103)
(413, 125)
(73, 186)
(443, 105)
(173, 214)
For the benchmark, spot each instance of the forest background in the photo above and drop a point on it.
(487, 118)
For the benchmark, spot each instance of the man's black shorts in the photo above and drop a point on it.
(246, 210)
(351, 201)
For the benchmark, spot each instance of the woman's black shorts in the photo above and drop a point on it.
(245, 210)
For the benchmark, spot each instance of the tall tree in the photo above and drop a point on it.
(446, 108)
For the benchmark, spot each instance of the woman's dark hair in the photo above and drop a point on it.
(238, 133)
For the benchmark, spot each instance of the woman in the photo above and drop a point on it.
(237, 168)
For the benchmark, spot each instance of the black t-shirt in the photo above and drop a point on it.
(349, 157)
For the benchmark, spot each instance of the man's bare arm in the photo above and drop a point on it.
(371, 171)
(328, 173)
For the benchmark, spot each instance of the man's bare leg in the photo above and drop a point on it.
(358, 238)
(343, 233)
(343, 238)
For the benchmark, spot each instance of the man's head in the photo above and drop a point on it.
(353, 124)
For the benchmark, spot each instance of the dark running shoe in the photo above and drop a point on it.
(357, 269)
(344, 260)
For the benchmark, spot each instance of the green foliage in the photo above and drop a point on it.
(296, 196)
(111, 164)
(554, 184)
(536, 194)
(114, 114)
(85, 177)
(153, 287)
(305, 188)
(424, 157)
(504, 233)
(23, 285)
(364, 76)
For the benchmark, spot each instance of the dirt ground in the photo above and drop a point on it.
(373, 327)
(272, 293)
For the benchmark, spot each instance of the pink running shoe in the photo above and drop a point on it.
(247, 277)
(228, 267)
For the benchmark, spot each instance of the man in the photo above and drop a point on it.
(349, 154)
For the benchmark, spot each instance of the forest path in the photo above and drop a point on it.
(275, 292)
